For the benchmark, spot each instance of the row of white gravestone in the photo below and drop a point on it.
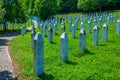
(76, 19)
(95, 32)
(73, 28)
(96, 20)
(108, 18)
(39, 46)
(44, 27)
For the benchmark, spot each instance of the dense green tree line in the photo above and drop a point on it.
(20, 10)
(92, 5)
(68, 5)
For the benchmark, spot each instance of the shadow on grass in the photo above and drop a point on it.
(6, 75)
(111, 41)
(56, 34)
(84, 52)
(53, 43)
(101, 45)
(46, 77)
(71, 63)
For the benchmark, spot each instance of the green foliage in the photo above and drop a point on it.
(2, 11)
(88, 5)
(45, 8)
(20, 10)
(14, 11)
(27, 6)
(68, 5)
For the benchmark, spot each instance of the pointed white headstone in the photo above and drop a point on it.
(64, 47)
(105, 32)
(95, 35)
(82, 39)
(39, 54)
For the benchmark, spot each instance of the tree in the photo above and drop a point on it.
(68, 5)
(87, 5)
(27, 6)
(2, 11)
(45, 8)
(13, 13)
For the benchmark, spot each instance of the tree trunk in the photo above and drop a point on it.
(12, 26)
(100, 9)
(5, 26)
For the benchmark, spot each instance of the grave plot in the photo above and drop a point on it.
(73, 47)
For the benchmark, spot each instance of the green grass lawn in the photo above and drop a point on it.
(100, 62)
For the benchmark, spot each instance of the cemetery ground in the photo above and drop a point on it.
(95, 63)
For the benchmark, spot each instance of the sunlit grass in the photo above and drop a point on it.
(98, 62)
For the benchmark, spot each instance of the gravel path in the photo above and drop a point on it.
(6, 67)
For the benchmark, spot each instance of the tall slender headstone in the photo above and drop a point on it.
(95, 22)
(100, 22)
(38, 22)
(76, 24)
(89, 26)
(73, 31)
(64, 47)
(111, 19)
(45, 30)
(39, 54)
(118, 27)
(23, 30)
(105, 32)
(50, 34)
(82, 39)
(57, 25)
(95, 35)
(32, 38)
(70, 26)
(41, 28)
(82, 25)
(33, 27)
(54, 29)
(63, 28)
(114, 19)
(108, 20)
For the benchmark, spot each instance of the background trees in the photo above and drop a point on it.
(93, 5)
(13, 11)
(45, 8)
(20, 10)
(2, 11)
(68, 5)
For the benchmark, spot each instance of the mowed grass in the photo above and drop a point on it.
(100, 62)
